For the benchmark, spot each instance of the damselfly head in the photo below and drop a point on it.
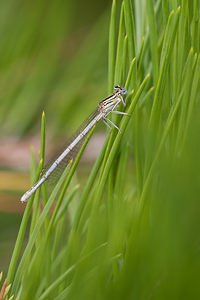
(118, 88)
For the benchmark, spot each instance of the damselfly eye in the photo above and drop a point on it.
(122, 90)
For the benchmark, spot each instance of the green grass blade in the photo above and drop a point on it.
(153, 39)
(111, 48)
(120, 48)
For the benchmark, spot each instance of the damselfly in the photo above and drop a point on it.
(105, 107)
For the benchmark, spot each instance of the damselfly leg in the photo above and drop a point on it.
(112, 124)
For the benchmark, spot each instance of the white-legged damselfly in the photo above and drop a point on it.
(105, 107)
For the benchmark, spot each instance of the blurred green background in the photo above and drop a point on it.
(48, 51)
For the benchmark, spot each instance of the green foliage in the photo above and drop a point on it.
(133, 232)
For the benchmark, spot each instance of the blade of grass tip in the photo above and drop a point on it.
(130, 31)
(111, 48)
(196, 26)
(157, 154)
(169, 36)
(117, 140)
(166, 51)
(129, 21)
(37, 227)
(153, 39)
(21, 233)
(120, 48)
(182, 31)
(71, 173)
(61, 278)
(140, 54)
(186, 16)
(144, 52)
(130, 74)
(124, 60)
